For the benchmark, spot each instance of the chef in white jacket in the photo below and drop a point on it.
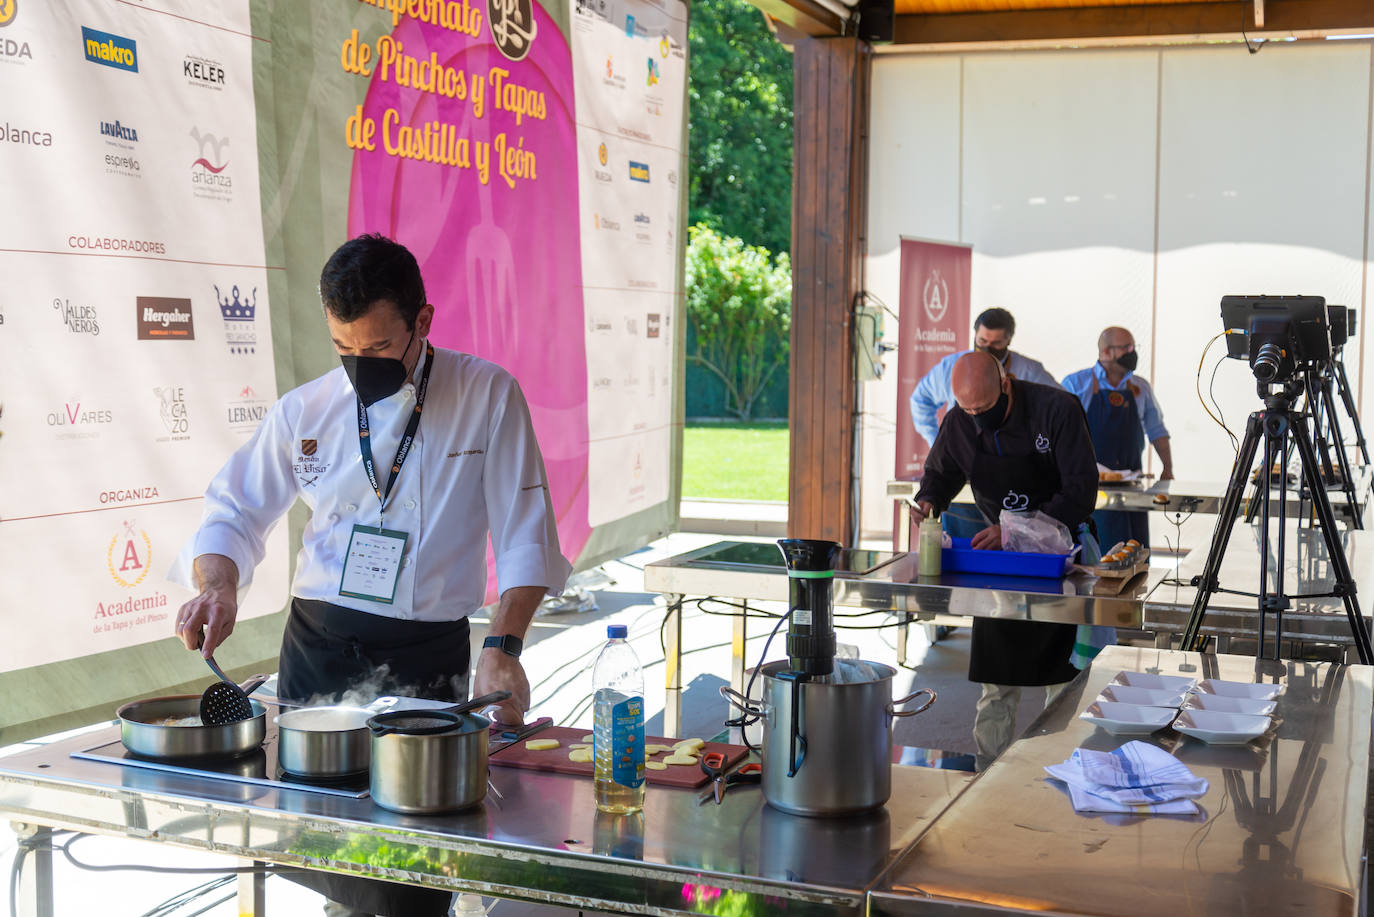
(408, 455)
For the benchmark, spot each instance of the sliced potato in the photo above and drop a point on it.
(689, 743)
(652, 749)
(588, 737)
(580, 756)
(576, 745)
(682, 760)
(542, 744)
(656, 765)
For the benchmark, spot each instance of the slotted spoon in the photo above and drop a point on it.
(224, 702)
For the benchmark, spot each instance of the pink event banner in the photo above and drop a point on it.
(934, 323)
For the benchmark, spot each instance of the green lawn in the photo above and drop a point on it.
(736, 461)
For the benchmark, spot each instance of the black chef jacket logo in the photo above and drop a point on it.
(1042, 443)
(1015, 502)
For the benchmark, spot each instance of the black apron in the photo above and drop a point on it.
(1119, 441)
(326, 650)
(1006, 652)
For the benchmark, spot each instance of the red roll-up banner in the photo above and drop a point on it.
(934, 323)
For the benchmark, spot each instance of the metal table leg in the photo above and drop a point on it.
(904, 546)
(672, 667)
(252, 887)
(35, 884)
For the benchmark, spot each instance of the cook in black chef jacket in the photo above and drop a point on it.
(1019, 446)
(408, 455)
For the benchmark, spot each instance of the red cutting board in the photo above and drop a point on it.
(555, 760)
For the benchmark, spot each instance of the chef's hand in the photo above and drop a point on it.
(499, 671)
(989, 539)
(921, 509)
(215, 609)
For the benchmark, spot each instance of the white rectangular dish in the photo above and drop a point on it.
(1154, 682)
(1145, 697)
(1238, 689)
(1221, 728)
(1127, 719)
(1218, 703)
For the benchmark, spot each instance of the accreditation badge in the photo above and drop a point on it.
(372, 566)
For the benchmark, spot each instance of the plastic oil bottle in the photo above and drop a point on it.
(618, 726)
(928, 544)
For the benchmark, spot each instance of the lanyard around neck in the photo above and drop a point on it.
(402, 450)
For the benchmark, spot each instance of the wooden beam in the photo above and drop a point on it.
(829, 158)
(1134, 24)
(805, 16)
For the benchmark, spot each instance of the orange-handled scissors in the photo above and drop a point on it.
(713, 765)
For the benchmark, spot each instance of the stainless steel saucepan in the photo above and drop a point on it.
(170, 727)
(333, 741)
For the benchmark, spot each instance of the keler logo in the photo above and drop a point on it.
(8, 10)
(935, 296)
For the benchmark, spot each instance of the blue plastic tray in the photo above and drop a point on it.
(962, 559)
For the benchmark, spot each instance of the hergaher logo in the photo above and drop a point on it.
(245, 411)
(78, 319)
(129, 555)
(639, 171)
(171, 408)
(512, 26)
(24, 136)
(110, 50)
(203, 72)
(652, 323)
(238, 314)
(209, 176)
(161, 318)
(8, 10)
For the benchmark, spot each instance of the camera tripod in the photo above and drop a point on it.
(1279, 426)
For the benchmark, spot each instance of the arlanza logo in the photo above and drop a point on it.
(203, 72)
(512, 27)
(209, 175)
(239, 314)
(161, 318)
(172, 410)
(935, 295)
(78, 319)
(129, 556)
(110, 50)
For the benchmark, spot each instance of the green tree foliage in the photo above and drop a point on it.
(740, 89)
(739, 305)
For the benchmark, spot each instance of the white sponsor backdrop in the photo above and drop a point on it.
(124, 184)
(1131, 187)
(630, 71)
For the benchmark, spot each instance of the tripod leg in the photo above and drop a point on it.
(1226, 520)
(1343, 384)
(1340, 565)
(1347, 482)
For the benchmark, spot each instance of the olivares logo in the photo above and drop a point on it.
(163, 319)
(110, 50)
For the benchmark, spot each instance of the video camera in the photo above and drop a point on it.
(1277, 334)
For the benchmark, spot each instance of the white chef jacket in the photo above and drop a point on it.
(474, 467)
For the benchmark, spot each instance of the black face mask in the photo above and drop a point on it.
(1128, 361)
(375, 378)
(991, 419)
(997, 353)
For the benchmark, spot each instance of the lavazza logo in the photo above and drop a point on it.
(120, 160)
(128, 558)
(171, 409)
(210, 179)
(239, 313)
(245, 411)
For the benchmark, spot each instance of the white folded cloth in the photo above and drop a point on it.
(1136, 778)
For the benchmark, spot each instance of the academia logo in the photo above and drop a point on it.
(129, 555)
(110, 50)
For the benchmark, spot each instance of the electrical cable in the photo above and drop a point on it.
(181, 899)
(1259, 42)
(1197, 387)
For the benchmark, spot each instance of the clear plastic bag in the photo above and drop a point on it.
(1034, 533)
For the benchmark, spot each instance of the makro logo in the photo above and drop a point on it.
(110, 50)
(8, 10)
(164, 319)
(639, 171)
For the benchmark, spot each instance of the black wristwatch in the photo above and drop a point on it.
(508, 644)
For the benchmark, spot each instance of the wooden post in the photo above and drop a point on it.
(829, 188)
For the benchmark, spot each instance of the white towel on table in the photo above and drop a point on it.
(1136, 778)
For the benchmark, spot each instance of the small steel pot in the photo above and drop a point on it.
(143, 732)
(428, 761)
(842, 761)
(317, 742)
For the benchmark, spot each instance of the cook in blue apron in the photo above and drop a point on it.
(1119, 441)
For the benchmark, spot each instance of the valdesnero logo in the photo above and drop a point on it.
(110, 50)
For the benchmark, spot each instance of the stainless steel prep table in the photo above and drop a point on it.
(1282, 830)
(951, 598)
(542, 842)
(1306, 570)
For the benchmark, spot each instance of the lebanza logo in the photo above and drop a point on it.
(246, 411)
(1015, 502)
(8, 10)
(172, 410)
(209, 179)
(1042, 443)
(512, 27)
(129, 555)
(935, 295)
(239, 314)
(110, 50)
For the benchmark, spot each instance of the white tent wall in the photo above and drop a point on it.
(1133, 187)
